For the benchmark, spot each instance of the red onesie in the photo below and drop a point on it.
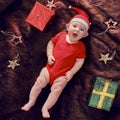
(65, 55)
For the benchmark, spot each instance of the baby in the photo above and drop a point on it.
(66, 54)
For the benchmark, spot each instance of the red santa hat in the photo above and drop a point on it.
(81, 17)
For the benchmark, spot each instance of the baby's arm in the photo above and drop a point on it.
(50, 56)
(78, 64)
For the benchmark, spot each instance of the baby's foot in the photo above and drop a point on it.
(27, 106)
(45, 113)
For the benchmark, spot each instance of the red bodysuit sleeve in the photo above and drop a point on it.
(56, 37)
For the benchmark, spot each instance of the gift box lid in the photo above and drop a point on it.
(39, 16)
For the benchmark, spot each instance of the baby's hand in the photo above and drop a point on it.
(51, 59)
(68, 75)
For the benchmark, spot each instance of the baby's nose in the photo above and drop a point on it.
(77, 28)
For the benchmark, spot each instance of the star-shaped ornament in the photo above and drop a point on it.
(16, 40)
(110, 25)
(51, 5)
(106, 57)
(13, 64)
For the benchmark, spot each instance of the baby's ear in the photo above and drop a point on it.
(67, 26)
(86, 34)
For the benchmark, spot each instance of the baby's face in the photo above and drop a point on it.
(76, 31)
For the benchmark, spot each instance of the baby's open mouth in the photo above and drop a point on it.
(75, 35)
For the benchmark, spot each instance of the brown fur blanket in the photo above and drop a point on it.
(30, 53)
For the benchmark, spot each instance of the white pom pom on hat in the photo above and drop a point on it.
(81, 17)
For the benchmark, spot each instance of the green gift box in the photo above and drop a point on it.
(103, 94)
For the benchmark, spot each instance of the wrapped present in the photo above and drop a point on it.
(103, 94)
(39, 16)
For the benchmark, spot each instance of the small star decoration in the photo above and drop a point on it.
(110, 25)
(106, 57)
(16, 40)
(51, 4)
(13, 64)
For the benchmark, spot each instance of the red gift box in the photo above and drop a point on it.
(39, 16)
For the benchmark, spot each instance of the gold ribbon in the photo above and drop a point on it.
(103, 94)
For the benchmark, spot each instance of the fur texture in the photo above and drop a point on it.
(15, 84)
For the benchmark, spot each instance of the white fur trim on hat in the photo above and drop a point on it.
(81, 21)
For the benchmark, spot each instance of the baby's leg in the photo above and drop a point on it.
(40, 83)
(56, 90)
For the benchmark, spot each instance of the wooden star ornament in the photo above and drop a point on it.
(13, 64)
(51, 5)
(106, 57)
(111, 24)
(16, 40)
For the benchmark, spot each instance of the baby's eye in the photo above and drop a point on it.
(81, 29)
(74, 26)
